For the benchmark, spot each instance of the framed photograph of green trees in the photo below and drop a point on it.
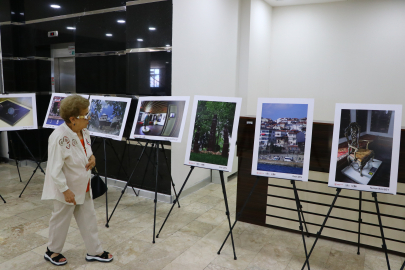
(212, 134)
(108, 116)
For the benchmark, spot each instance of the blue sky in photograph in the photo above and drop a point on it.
(277, 110)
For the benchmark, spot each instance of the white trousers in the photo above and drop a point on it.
(86, 220)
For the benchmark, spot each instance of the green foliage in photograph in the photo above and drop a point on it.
(208, 158)
(118, 107)
(206, 110)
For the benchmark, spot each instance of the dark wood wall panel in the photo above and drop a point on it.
(272, 203)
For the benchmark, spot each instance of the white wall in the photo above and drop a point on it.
(205, 40)
(259, 53)
(254, 53)
(344, 52)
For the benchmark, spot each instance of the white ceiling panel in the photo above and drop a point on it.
(279, 3)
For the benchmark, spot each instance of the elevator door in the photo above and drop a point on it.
(65, 75)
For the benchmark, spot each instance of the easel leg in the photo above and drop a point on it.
(402, 267)
(384, 246)
(32, 175)
(238, 215)
(105, 180)
(146, 168)
(156, 187)
(116, 155)
(32, 156)
(358, 234)
(338, 190)
(299, 212)
(15, 157)
(125, 188)
(174, 202)
(302, 214)
(221, 174)
(171, 178)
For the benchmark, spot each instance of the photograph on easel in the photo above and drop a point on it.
(108, 116)
(282, 144)
(212, 133)
(17, 112)
(365, 148)
(160, 118)
(52, 118)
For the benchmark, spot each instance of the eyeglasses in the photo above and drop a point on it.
(86, 117)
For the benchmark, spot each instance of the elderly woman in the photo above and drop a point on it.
(67, 182)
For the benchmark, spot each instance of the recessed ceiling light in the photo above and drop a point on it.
(55, 6)
(167, 45)
(12, 12)
(108, 35)
(120, 21)
(22, 14)
(167, 62)
(152, 28)
(139, 39)
(71, 28)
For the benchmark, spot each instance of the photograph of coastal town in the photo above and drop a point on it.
(108, 116)
(281, 139)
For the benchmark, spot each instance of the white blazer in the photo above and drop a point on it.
(66, 167)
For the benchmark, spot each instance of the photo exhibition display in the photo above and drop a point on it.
(365, 147)
(18, 112)
(108, 116)
(53, 119)
(283, 133)
(213, 131)
(160, 118)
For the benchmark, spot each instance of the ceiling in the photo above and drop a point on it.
(279, 3)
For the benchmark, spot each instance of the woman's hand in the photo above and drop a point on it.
(92, 163)
(69, 196)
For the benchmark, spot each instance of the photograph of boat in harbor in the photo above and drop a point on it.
(108, 116)
(365, 148)
(212, 133)
(18, 112)
(160, 118)
(283, 138)
(52, 118)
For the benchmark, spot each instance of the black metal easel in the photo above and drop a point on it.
(299, 206)
(15, 156)
(403, 266)
(105, 142)
(35, 160)
(384, 246)
(154, 154)
(299, 210)
(221, 174)
(360, 220)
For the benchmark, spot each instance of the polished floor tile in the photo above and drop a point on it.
(190, 239)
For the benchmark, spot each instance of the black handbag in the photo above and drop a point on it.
(98, 187)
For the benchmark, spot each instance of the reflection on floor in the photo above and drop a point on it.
(154, 130)
(189, 241)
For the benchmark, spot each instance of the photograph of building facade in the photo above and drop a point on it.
(282, 138)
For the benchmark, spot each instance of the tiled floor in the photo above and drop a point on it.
(190, 239)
